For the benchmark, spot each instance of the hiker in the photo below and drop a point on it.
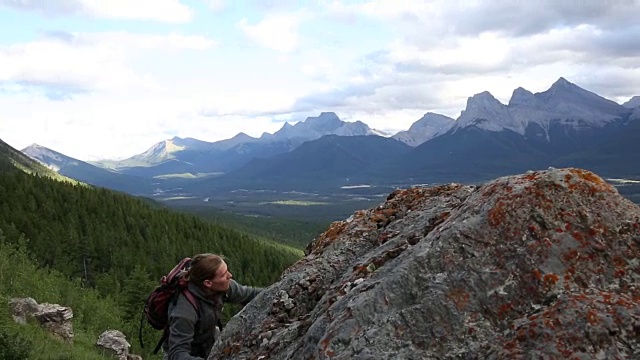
(192, 331)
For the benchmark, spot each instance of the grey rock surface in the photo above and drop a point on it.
(541, 265)
(56, 319)
(53, 317)
(115, 342)
(22, 308)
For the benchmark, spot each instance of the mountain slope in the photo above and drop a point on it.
(87, 173)
(426, 128)
(329, 162)
(615, 157)
(534, 130)
(178, 156)
(12, 159)
(467, 154)
(327, 123)
(634, 102)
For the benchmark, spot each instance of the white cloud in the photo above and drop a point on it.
(446, 51)
(136, 89)
(276, 31)
(157, 10)
(216, 5)
(161, 10)
(87, 61)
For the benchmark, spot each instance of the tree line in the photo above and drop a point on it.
(114, 245)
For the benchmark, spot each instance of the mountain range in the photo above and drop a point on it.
(565, 125)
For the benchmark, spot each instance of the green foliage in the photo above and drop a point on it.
(294, 232)
(13, 344)
(101, 253)
(85, 233)
(21, 277)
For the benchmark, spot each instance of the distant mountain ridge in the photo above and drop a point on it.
(178, 155)
(562, 102)
(426, 128)
(329, 162)
(532, 131)
(562, 126)
(12, 159)
(88, 173)
(634, 102)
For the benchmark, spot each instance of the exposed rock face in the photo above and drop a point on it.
(57, 319)
(540, 265)
(53, 317)
(116, 343)
(22, 308)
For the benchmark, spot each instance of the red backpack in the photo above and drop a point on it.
(156, 307)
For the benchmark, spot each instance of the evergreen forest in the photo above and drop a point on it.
(101, 253)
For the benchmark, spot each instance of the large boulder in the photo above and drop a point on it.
(115, 343)
(56, 319)
(53, 317)
(22, 309)
(539, 265)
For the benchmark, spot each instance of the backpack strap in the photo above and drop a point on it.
(196, 305)
(192, 300)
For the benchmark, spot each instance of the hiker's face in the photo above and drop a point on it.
(221, 279)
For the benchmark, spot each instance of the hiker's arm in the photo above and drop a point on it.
(240, 294)
(182, 323)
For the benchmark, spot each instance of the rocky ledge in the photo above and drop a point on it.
(540, 265)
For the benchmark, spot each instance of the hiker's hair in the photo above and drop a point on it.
(203, 267)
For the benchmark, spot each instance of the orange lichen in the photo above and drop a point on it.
(459, 297)
(578, 236)
(497, 214)
(567, 177)
(619, 273)
(571, 255)
(335, 229)
(551, 279)
(536, 274)
(328, 237)
(596, 183)
(619, 261)
(592, 317)
(504, 309)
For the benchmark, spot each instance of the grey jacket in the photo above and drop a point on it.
(191, 336)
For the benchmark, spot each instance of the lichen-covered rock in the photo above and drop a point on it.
(540, 265)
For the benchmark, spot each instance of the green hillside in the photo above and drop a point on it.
(101, 253)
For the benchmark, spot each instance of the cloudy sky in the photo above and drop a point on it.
(109, 78)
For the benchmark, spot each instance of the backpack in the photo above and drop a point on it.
(156, 306)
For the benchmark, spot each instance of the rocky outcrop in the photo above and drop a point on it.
(53, 317)
(22, 308)
(116, 344)
(539, 265)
